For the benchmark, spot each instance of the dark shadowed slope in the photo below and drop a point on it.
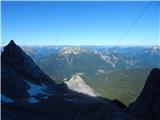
(27, 93)
(147, 105)
(19, 74)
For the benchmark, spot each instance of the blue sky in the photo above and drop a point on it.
(79, 23)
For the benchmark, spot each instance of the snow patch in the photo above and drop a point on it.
(36, 89)
(70, 50)
(109, 59)
(46, 97)
(100, 71)
(155, 49)
(6, 99)
(65, 79)
(32, 100)
(130, 62)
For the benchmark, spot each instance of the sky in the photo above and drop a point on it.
(80, 23)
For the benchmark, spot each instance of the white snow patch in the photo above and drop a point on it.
(100, 71)
(105, 57)
(46, 97)
(155, 49)
(109, 59)
(80, 74)
(70, 50)
(6, 99)
(77, 84)
(65, 79)
(130, 62)
(32, 100)
(36, 89)
(69, 59)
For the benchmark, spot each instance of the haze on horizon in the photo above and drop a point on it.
(81, 23)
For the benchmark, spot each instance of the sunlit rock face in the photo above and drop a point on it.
(77, 84)
(110, 59)
(69, 50)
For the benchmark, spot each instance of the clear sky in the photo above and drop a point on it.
(80, 23)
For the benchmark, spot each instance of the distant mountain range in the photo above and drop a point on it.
(99, 67)
(29, 94)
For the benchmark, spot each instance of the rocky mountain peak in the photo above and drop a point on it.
(151, 87)
(12, 42)
(153, 81)
(14, 57)
(147, 105)
(11, 49)
(70, 50)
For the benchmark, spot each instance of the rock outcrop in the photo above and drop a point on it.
(18, 69)
(77, 84)
(147, 105)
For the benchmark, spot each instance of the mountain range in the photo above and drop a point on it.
(28, 93)
(99, 67)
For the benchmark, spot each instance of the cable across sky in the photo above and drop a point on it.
(134, 23)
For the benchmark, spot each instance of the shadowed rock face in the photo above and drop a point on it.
(147, 105)
(17, 68)
(27, 93)
(14, 57)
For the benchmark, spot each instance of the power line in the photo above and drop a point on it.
(134, 23)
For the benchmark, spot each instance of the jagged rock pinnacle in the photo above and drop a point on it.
(11, 43)
(147, 105)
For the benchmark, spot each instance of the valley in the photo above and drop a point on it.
(113, 72)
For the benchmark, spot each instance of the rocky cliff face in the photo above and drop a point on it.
(147, 105)
(20, 74)
(15, 58)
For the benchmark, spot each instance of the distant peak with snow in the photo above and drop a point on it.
(70, 50)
